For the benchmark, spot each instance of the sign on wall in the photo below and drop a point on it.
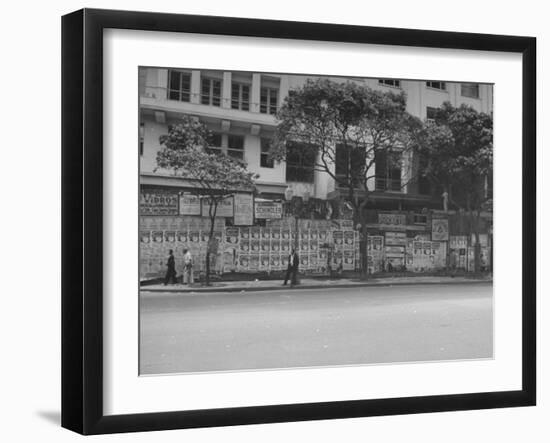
(440, 229)
(190, 204)
(244, 204)
(392, 219)
(268, 209)
(156, 202)
(396, 238)
(224, 209)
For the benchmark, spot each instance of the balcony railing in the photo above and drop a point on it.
(388, 184)
(186, 96)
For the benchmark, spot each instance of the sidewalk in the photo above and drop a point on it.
(313, 283)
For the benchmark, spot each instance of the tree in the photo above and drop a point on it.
(185, 151)
(346, 128)
(457, 148)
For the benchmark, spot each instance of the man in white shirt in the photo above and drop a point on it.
(187, 267)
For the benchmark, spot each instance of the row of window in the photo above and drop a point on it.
(233, 146)
(300, 160)
(470, 90)
(179, 88)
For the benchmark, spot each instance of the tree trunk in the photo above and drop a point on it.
(210, 237)
(212, 213)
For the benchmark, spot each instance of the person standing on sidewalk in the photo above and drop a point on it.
(187, 267)
(292, 269)
(170, 277)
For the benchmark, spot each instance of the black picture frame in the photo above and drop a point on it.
(82, 218)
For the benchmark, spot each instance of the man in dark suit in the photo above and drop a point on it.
(292, 269)
(171, 271)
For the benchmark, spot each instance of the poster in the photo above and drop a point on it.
(391, 219)
(268, 209)
(232, 236)
(145, 237)
(158, 202)
(170, 236)
(349, 260)
(338, 237)
(189, 204)
(440, 229)
(349, 239)
(243, 207)
(396, 238)
(224, 209)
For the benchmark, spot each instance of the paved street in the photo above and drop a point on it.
(314, 327)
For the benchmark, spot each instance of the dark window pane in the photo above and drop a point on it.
(235, 142)
(265, 160)
(216, 139)
(431, 113)
(174, 80)
(469, 90)
(300, 162)
(235, 91)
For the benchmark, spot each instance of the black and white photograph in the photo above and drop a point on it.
(301, 221)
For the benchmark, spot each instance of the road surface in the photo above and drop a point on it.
(317, 327)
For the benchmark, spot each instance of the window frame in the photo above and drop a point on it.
(231, 151)
(470, 85)
(268, 107)
(390, 83)
(387, 177)
(265, 161)
(180, 90)
(242, 105)
(430, 85)
(308, 171)
(216, 149)
(211, 97)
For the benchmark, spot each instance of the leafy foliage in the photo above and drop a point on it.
(185, 151)
(458, 151)
(345, 127)
(362, 122)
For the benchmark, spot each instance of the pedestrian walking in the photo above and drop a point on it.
(187, 267)
(292, 269)
(170, 277)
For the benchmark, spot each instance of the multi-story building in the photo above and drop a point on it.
(239, 108)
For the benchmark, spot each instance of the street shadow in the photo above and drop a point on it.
(54, 417)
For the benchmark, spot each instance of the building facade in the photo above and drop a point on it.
(239, 108)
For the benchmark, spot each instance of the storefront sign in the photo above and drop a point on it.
(392, 219)
(190, 204)
(440, 229)
(268, 209)
(224, 209)
(243, 210)
(156, 202)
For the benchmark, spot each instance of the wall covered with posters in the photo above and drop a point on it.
(256, 235)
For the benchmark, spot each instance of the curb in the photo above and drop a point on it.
(316, 286)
